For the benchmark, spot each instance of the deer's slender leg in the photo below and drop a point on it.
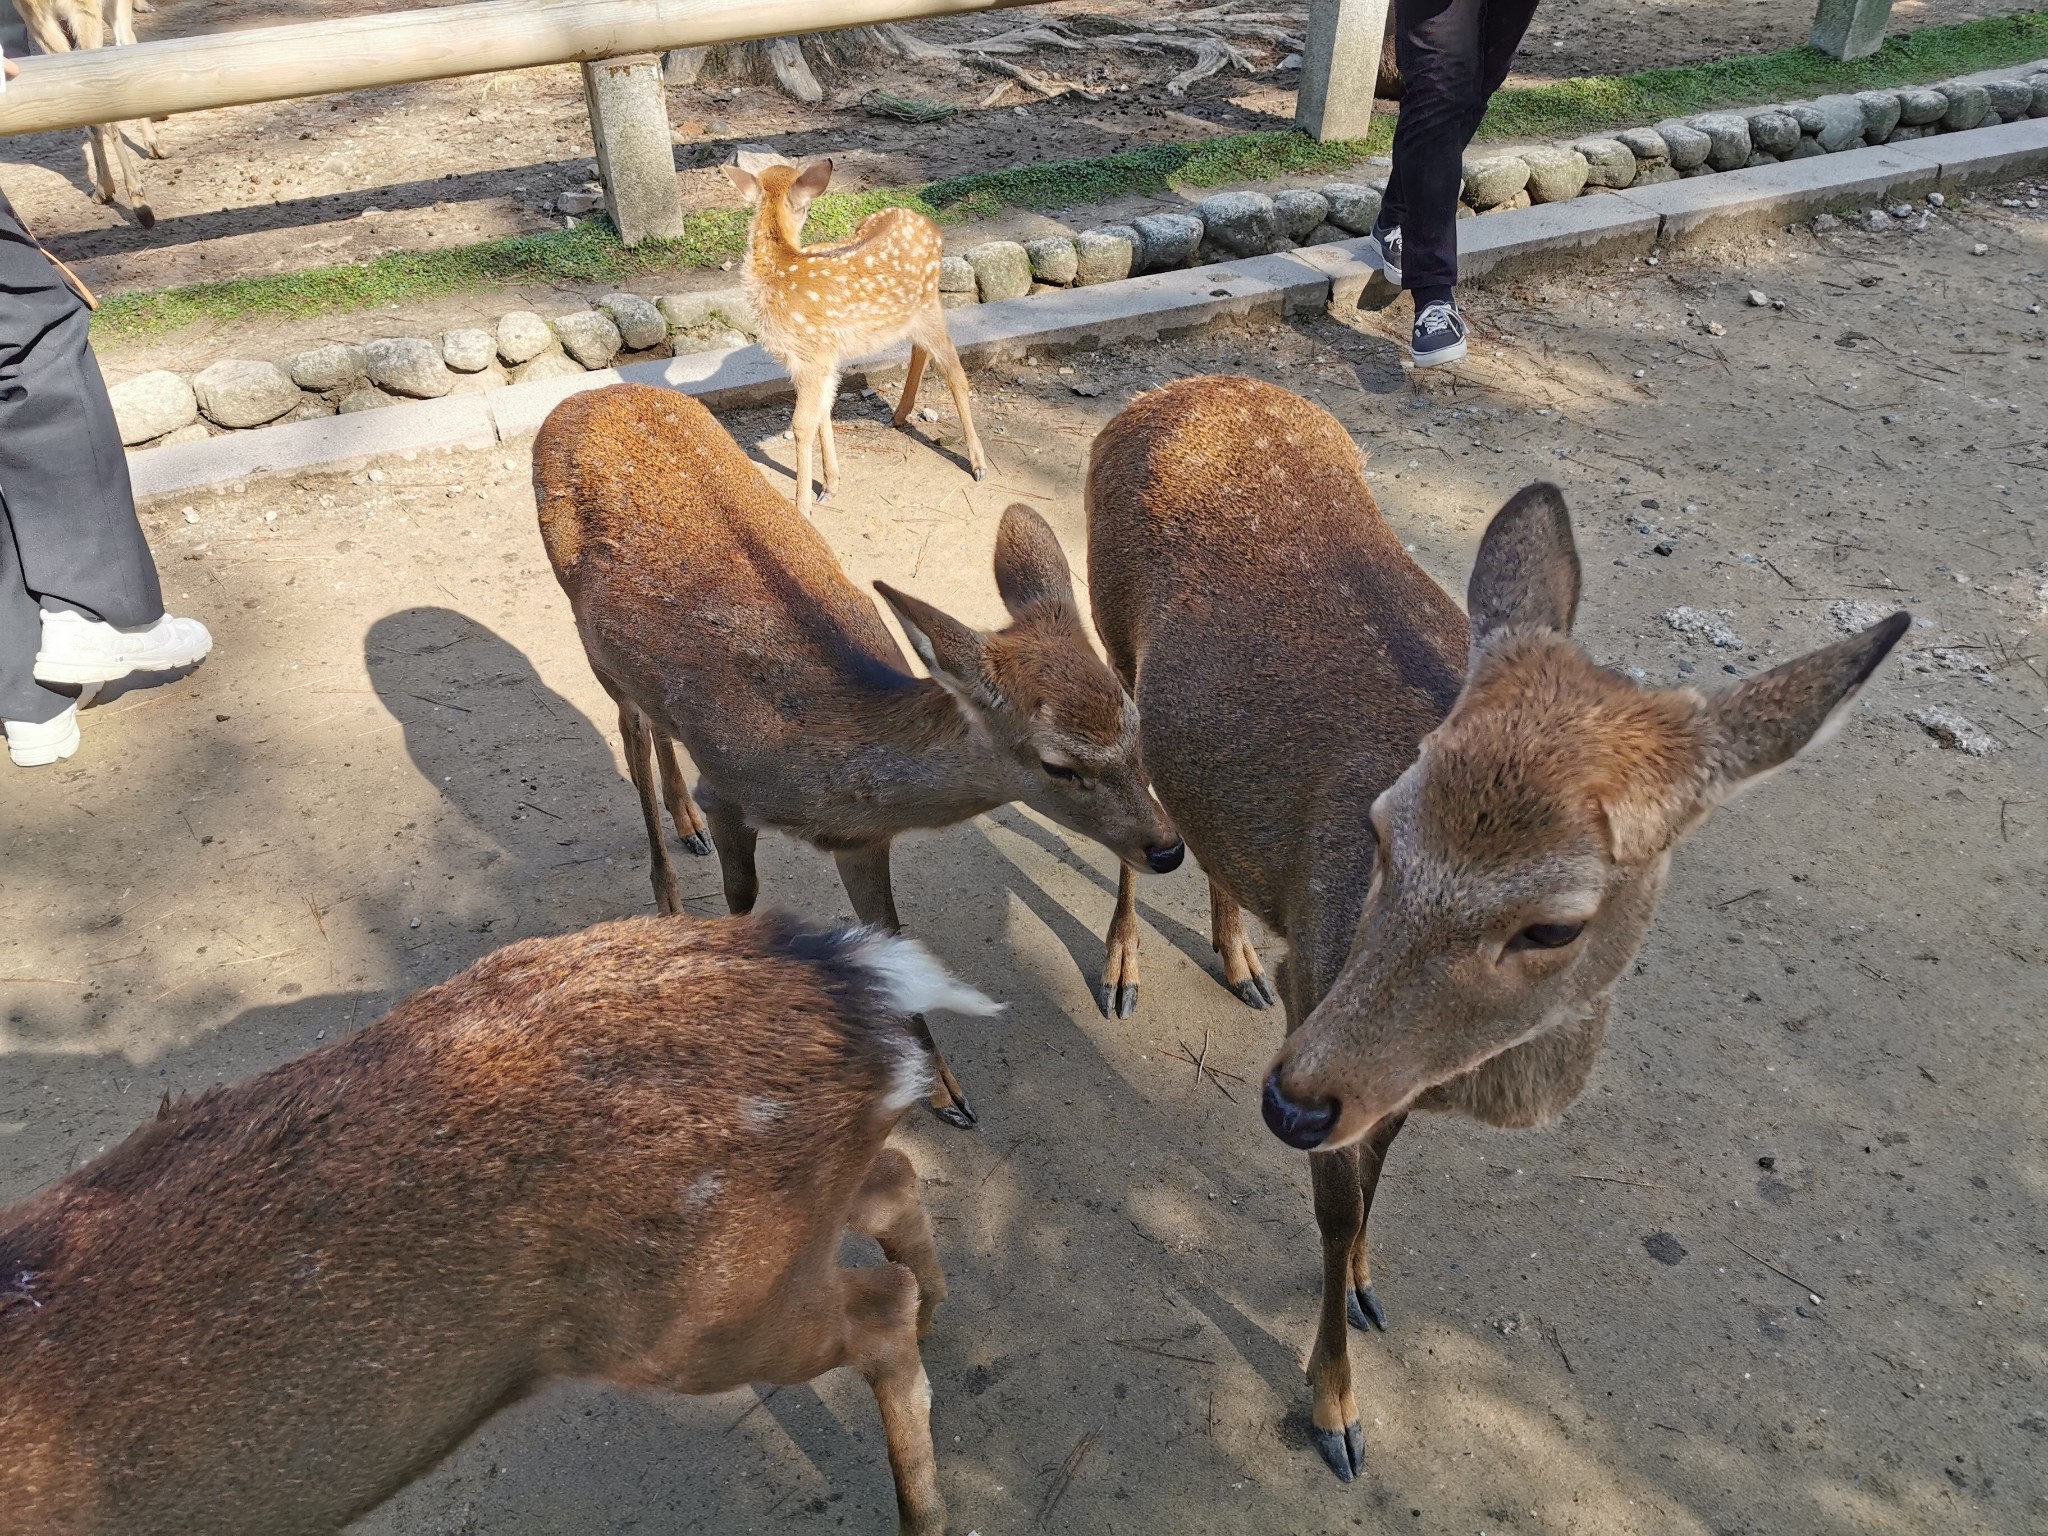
(829, 444)
(1363, 1304)
(865, 874)
(888, 1209)
(1242, 972)
(735, 842)
(675, 793)
(1340, 1218)
(810, 401)
(939, 343)
(1118, 994)
(912, 377)
(636, 734)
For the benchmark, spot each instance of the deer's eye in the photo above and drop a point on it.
(1548, 935)
(1059, 771)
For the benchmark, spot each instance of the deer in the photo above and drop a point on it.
(1456, 823)
(819, 305)
(716, 615)
(59, 26)
(627, 1154)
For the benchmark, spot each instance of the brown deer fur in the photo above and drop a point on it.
(626, 1154)
(1458, 829)
(820, 305)
(60, 26)
(717, 616)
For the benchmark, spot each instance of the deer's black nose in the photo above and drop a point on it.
(1166, 860)
(1302, 1126)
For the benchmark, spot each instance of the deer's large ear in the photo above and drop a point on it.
(1526, 575)
(810, 181)
(950, 651)
(1030, 565)
(1766, 721)
(743, 181)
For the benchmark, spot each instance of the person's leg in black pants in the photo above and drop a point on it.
(1454, 54)
(69, 539)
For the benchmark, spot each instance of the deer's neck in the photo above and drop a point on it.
(927, 762)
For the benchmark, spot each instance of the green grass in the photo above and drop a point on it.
(591, 252)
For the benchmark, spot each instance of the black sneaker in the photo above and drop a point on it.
(1439, 336)
(1384, 246)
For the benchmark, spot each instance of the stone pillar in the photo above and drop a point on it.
(635, 157)
(1340, 65)
(1851, 29)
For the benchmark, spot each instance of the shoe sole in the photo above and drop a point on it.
(109, 671)
(1454, 353)
(1389, 271)
(43, 756)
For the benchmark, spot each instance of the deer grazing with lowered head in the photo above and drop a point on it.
(60, 26)
(820, 305)
(628, 1154)
(1458, 826)
(717, 616)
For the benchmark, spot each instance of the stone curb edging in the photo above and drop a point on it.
(1672, 215)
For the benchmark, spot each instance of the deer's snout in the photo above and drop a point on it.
(1165, 858)
(1302, 1126)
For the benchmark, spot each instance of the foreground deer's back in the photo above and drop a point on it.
(833, 301)
(1286, 654)
(270, 1308)
(702, 592)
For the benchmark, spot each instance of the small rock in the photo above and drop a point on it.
(1555, 175)
(1053, 260)
(1776, 132)
(1647, 145)
(468, 351)
(151, 404)
(243, 392)
(1968, 106)
(1711, 627)
(1089, 390)
(1904, 135)
(731, 306)
(1955, 732)
(1980, 249)
(1758, 298)
(1687, 145)
(1166, 241)
(1656, 175)
(641, 325)
(955, 276)
(324, 368)
(1823, 223)
(1901, 210)
(1102, 257)
(549, 365)
(927, 413)
(1491, 182)
(589, 336)
(1002, 270)
(1936, 200)
(191, 432)
(1758, 157)
(1880, 110)
(522, 335)
(579, 202)
(958, 300)
(1609, 162)
(1716, 328)
(491, 376)
(2040, 85)
(1240, 223)
(2010, 99)
(1352, 208)
(364, 399)
(1875, 219)
(407, 365)
(1844, 123)
(1807, 148)
(1920, 105)
(191, 515)
(1301, 211)
(1326, 234)
(1728, 139)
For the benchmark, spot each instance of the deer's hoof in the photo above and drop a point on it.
(1127, 1000)
(697, 843)
(959, 1113)
(1344, 1452)
(1256, 992)
(1117, 1000)
(1365, 1310)
(981, 473)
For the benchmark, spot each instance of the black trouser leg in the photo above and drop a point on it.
(1454, 54)
(67, 512)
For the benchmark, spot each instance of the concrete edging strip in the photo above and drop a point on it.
(1732, 204)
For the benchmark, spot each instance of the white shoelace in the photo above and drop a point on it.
(1437, 317)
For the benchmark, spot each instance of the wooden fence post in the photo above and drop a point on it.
(1851, 29)
(635, 157)
(1340, 65)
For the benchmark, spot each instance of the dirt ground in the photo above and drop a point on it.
(253, 190)
(1828, 1064)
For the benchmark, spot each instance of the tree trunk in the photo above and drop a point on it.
(792, 64)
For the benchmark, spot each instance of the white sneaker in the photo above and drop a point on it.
(35, 743)
(81, 650)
